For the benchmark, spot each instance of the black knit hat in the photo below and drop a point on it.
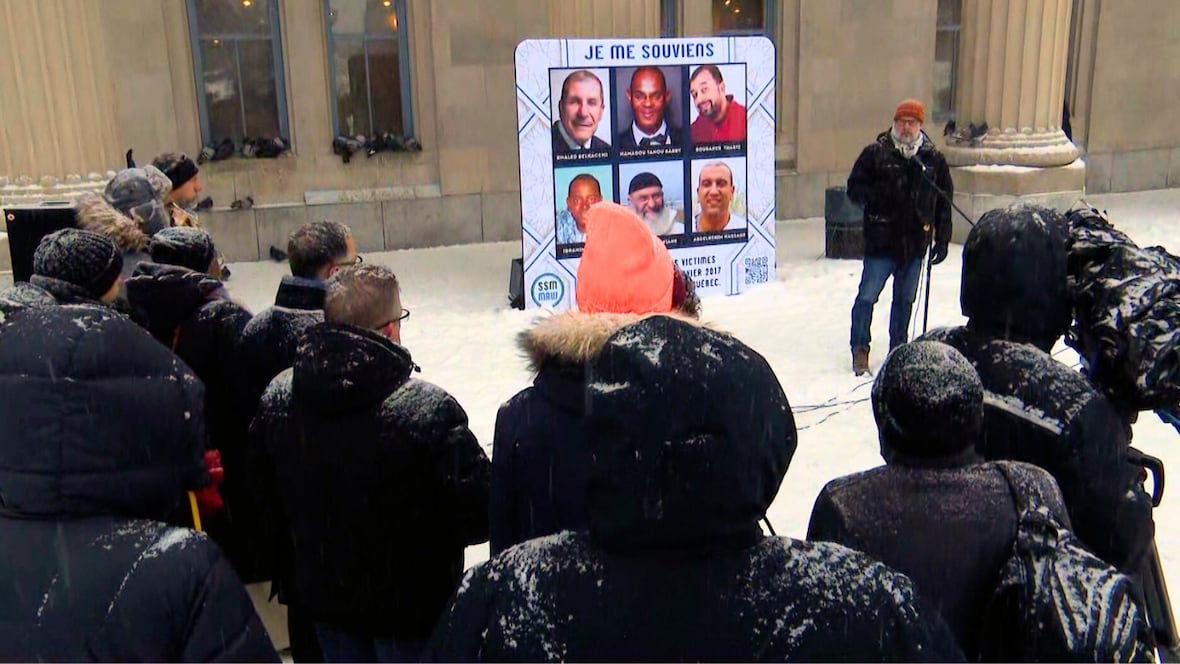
(178, 167)
(184, 246)
(928, 401)
(83, 258)
(643, 181)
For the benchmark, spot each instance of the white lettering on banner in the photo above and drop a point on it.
(596, 53)
(715, 208)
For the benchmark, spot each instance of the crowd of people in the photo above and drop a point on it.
(623, 499)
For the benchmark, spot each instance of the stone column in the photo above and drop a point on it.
(1011, 75)
(58, 131)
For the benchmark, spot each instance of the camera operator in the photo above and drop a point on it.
(1014, 294)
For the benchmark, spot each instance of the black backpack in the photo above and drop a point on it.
(1055, 601)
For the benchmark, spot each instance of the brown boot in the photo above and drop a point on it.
(860, 360)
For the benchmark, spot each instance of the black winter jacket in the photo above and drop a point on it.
(269, 340)
(267, 347)
(190, 312)
(898, 202)
(42, 291)
(101, 432)
(950, 529)
(674, 566)
(540, 456)
(380, 479)
(1039, 411)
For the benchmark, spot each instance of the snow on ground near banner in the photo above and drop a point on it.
(462, 333)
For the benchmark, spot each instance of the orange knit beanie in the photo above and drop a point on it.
(910, 108)
(625, 268)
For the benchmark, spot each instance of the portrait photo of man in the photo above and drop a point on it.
(650, 97)
(645, 195)
(580, 108)
(715, 194)
(584, 190)
(720, 117)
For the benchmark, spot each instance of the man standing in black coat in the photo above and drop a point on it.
(935, 512)
(903, 214)
(314, 252)
(690, 435)
(186, 308)
(266, 347)
(380, 480)
(101, 432)
(1038, 410)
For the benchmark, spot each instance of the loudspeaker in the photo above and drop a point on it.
(27, 225)
(516, 284)
(843, 225)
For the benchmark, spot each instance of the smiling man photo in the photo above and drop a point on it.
(580, 109)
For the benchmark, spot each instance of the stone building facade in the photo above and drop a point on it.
(83, 81)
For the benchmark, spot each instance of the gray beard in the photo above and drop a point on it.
(907, 150)
(662, 224)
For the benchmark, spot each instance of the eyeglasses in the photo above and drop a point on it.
(391, 321)
(359, 259)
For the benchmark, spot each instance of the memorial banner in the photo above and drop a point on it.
(680, 130)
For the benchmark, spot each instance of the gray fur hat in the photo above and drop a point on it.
(133, 192)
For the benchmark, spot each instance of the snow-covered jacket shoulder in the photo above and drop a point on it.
(122, 590)
(562, 598)
(379, 478)
(24, 294)
(540, 460)
(1040, 411)
(101, 432)
(690, 436)
(950, 529)
(269, 340)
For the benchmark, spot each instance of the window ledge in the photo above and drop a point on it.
(237, 164)
(372, 194)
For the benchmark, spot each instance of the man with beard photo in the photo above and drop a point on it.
(646, 196)
(721, 117)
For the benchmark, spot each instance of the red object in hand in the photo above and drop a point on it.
(209, 500)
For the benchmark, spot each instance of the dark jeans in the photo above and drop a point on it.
(305, 645)
(872, 281)
(341, 645)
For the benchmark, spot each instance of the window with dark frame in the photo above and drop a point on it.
(741, 17)
(669, 23)
(729, 17)
(369, 67)
(237, 60)
(946, 59)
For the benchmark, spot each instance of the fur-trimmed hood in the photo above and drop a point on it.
(96, 214)
(573, 338)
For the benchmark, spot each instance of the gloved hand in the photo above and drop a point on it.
(938, 254)
(209, 500)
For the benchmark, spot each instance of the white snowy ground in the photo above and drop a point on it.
(462, 333)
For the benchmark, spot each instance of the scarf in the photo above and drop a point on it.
(907, 150)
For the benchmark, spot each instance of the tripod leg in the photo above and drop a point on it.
(1159, 608)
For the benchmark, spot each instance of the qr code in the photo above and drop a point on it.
(757, 270)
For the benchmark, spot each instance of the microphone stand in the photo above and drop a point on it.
(930, 239)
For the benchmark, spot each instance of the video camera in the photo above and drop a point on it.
(1126, 329)
(1126, 303)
